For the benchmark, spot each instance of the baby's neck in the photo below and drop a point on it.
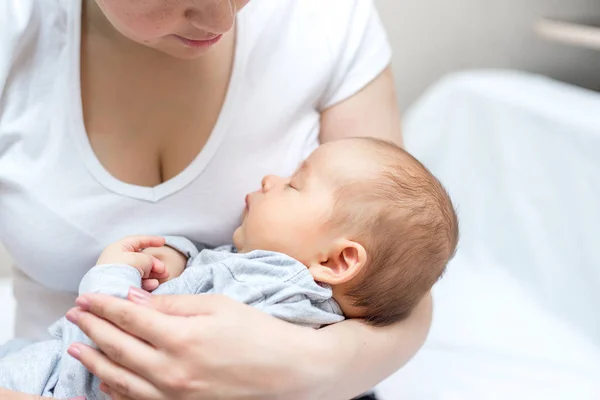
(345, 303)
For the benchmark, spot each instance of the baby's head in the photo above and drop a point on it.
(366, 218)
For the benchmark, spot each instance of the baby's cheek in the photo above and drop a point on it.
(265, 234)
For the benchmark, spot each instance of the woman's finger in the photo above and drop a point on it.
(142, 322)
(119, 379)
(138, 243)
(123, 349)
(111, 393)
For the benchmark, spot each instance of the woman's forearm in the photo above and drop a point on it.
(375, 353)
(10, 395)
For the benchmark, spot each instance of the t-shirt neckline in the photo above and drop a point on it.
(191, 171)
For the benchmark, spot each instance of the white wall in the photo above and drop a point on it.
(433, 37)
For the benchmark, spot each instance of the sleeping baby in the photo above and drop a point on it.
(361, 230)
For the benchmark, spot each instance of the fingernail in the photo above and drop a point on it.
(73, 315)
(83, 303)
(103, 387)
(79, 398)
(74, 352)
(139, 296)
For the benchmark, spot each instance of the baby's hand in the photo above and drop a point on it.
(130, 251)
(173, 260)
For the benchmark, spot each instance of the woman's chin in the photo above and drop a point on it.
(176, 49)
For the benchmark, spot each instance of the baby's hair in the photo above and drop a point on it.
(405, 219)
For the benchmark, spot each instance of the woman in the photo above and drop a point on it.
(121, 117)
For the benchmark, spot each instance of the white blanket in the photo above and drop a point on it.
(7, 311)
(516, 316)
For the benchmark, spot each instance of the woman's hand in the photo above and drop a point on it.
(208, 347)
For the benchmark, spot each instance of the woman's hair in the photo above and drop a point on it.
(405, 219)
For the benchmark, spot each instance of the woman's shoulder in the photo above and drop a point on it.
(16, 21)
(331, 19)
(330, 47)
(330, 11)
(20, 19)
(25, 22)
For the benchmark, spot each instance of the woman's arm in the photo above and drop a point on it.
(374, 353)
(10, 395)
(373, 111)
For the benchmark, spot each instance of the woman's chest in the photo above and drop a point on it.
(59, 207)
(148, 117)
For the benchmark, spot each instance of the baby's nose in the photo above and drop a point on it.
(269, 182)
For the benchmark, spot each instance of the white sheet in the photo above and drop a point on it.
(7, 310)
(516, 316)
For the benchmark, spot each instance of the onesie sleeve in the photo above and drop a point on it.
(110, 279)
(184, 246)
(361, 46)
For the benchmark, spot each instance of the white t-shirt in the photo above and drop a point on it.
(59, 207)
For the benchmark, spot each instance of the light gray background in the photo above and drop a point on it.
(434, 37)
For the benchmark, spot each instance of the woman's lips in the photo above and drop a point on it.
(199, 43)
(247, 200)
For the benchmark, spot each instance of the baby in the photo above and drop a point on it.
(361, 230)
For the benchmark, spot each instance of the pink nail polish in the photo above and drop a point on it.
(74, 352)
(73, 315)
(139, 296)
(83, 303)
(79, 398)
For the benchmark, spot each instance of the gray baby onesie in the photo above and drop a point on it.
(272, 282)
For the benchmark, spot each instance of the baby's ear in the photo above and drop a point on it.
(344, 260)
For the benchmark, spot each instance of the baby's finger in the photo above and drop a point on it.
(159, 270)
(137, 243)
(142, 262)
(160, 277)
(149, 285)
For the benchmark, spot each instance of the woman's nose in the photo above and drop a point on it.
(214, 16)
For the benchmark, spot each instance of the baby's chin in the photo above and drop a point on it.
(237, 236)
